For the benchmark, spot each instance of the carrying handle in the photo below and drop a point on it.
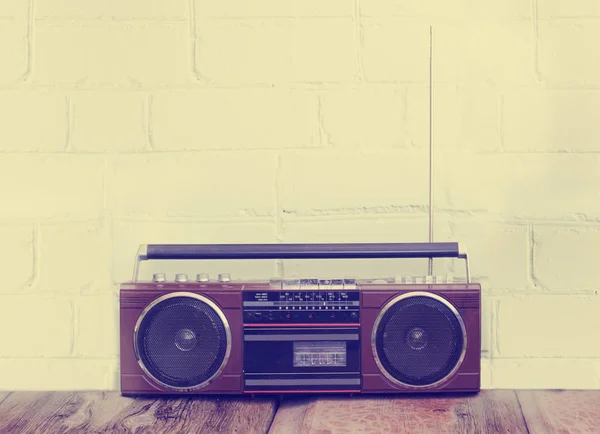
(299, 251)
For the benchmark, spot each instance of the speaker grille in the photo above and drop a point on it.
(419, 340)
(182, 341)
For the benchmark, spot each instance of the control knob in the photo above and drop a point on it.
(202, 277)
(159, 277)
(224, 277)
(181, 278)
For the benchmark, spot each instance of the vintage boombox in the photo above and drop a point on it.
(222, 336)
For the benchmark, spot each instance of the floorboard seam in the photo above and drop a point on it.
(277, 404)
(7, 395)
(522, 413)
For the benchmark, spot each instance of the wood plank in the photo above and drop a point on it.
(555, 411)
(489, 411)
(290, 415)
(95, 412)
(22, 412)
(3, 396)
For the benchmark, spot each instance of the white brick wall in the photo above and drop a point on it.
(233, 119)
(124, 123)
(109, 121)
(560, 64)
(38, 120)
(277, 50)
(111, 54)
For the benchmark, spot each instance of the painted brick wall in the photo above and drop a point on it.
(124, 123)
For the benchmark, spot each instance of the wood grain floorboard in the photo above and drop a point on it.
(97, 412)
(489, 411)
(24, 412)
(572, 411)
(3, 396)
(290, 415)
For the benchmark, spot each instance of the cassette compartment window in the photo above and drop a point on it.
(319, 353)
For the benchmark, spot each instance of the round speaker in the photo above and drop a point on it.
(182, 341)
(419, 340)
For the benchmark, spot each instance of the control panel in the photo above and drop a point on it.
(325, 301)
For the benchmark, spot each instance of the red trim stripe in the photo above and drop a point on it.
(303, 325)
(252, 392)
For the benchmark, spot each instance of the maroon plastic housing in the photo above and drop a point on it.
(466, 299)
(134, 297)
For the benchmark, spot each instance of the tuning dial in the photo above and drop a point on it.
(224, 277)
(159, 277)
(202, 277)
(181, 278)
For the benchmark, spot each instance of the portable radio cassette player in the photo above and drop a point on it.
(204, 335)
(329, 334)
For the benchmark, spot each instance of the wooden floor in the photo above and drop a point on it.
(491, 411)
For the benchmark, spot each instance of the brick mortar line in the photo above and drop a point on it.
(147, 126)
(63, 358)
(147, 152)
(536, 41)
(500, 120)
(495, 324)
(250, 18)
(402, 216)
(359, 40)
(231, 220)
(279, 224)
(283, 86)
(351, 151)
(200, 79)
(341, 149)
(295, 86)
(543, 358)
(499, 294)
(30, 36)
(74, 327)
(223, 152)
(81, 20)
(68, 147)
(200, 86)
(35, 260)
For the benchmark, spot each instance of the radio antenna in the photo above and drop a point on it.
(430, 145)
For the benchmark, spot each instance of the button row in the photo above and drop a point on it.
(182, 277)
(449, 278)
(313, 284)
(296, 316)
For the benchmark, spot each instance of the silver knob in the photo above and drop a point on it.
(159, 277)
(349, 283)
(224, 277)
(181, 277)
(202, 277)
